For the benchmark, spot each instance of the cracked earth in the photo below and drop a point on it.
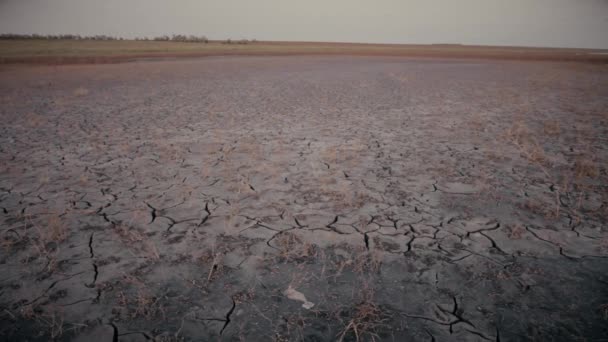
(304, 198)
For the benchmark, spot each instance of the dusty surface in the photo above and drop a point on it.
(304, 198)
(93, 51)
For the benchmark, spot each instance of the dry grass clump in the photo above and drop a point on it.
(358, 260)
(35, 120)
(362, 320)
(330, 155)
(140, 303)
(213, 258)
(53, 321)
(569, 183)
(14, 238)
(81, 91)
(244, 296)
(50, 320)
(45, 241)
(130, 236)
(346, 198)
(291, 248)
(367, 261)
(516, 232)
(521, 136)
(477, 122)
(56, 230)
(585, 168)
(576, 184)
(551, 127)
(53, 232)
(540, 208)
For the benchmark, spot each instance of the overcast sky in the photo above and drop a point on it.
(565, 23)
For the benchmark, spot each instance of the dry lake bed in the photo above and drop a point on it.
(304, 198)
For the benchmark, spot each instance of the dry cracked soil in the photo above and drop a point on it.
(304, 199)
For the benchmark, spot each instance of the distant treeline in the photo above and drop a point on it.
(165, 38)
(12, 36)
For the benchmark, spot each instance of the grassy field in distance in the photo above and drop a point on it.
(91, 51)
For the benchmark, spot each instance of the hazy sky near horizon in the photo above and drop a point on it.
(560, 23)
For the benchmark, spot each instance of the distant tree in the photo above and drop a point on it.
(102, 37)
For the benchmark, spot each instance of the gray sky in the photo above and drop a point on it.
(565, 23)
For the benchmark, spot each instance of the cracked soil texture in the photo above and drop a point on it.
(304, 199)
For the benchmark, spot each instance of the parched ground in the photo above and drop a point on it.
(304, 198)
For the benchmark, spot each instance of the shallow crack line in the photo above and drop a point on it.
(573, 226)
(394, 221)
(153, 213)
(215, 181)
(210, 319)
(494, 245)
(228, 317)
(299, 224)
(105, 217)
(366, 240)
(255, 225)
(275, 235)
(330, 225)
(335, 230)
(413, 230)
(91, 246)
(431, 335)
(409, 245)
(206, 217)
(482, 256)
(478, 334)
(96, 299)
(115, 332)
(95, 275)
(425, 318)
(456, 313)
(49, 288)
(584, 235)
(561, 252)
(250, 218)
(175, 205)
(78, 301)
(459, 259)
(391, 235)
(146, 336)
(261, 225)
(437, 230)
(538, 237)
(560, 249)
(173, 222)
(484, 229)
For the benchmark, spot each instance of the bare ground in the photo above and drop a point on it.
(57, 52)
(304, 198)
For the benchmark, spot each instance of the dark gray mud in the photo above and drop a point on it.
(304, 199)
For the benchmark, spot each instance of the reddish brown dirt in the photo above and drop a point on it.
(338, 49)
